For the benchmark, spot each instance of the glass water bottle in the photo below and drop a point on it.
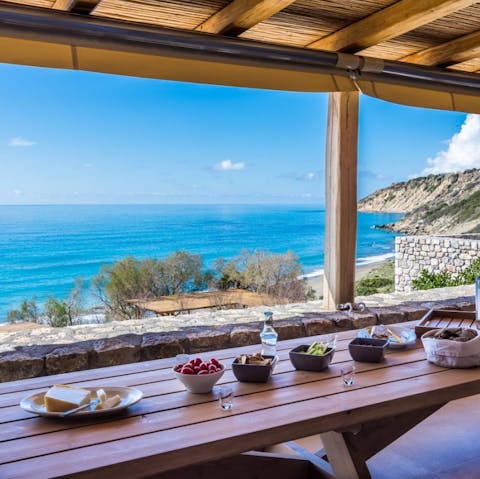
(269, 336)
(477, 299)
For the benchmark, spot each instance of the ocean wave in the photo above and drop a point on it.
(317, 273)
(314, 274)
(375, 258)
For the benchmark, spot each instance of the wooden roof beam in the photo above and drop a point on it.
(240, 15)
(84, 7)
(399, 18)
(449, 53)
(64, 5)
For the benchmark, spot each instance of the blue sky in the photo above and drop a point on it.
(78, 137)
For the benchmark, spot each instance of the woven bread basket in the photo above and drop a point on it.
(452, 354)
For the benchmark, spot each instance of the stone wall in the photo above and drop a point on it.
(31, 361)
(433, 253)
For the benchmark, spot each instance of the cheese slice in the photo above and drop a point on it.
(110, 402)
(60, 398)
(102, 397)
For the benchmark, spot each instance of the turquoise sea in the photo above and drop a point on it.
(44, 248)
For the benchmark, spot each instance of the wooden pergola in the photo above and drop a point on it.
(186, 302)
(416, 52)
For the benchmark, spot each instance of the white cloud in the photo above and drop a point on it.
(462, 152)
(19, 141)
(228, 165)
(88, 165)
(310, 176)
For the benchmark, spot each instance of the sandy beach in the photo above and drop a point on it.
(360, 271)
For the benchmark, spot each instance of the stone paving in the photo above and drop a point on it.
(14, 337)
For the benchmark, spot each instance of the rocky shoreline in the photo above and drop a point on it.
(435, 204)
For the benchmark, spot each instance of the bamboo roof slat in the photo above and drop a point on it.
(345, 12)
(454, 25)
(397, 48)
(165, 13)
(306, 21)
(398, 18)
(468, 66)
(455, 51)
(288, 29)
(33, 3)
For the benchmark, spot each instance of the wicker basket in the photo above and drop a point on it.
(452, 354)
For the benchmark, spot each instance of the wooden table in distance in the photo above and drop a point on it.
(186, 302)
(172, 433)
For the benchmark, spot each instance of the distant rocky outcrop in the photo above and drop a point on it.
(435, 204)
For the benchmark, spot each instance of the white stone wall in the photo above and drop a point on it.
(433, 253)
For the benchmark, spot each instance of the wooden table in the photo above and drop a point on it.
(174, 304)
(171, 429)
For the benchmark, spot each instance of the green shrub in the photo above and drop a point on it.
(57, 312)
(367, 286)
(379, 280)
(469, 274)
(428, 280)
(442, 279)
(28, 311)
(64, 312)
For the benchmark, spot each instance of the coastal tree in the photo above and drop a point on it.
(145, 279)
(181, 272)
(28, 311)
(56, 312)
(65, 312)
(278, 275)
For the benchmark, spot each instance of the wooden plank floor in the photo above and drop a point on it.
(444, 446)
(170, 424)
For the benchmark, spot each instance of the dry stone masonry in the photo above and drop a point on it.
(433, 253)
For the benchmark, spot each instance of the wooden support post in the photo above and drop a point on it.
(345, 463)
(341, 198)
(348, 451)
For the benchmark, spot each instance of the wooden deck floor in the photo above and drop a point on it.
(444, 446)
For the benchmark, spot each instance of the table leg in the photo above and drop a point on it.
(348, 451)
(346, 463)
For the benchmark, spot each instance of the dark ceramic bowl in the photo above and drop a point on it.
(367, 349)
(310, 362)
(254, 373)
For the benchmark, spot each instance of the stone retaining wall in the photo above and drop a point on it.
(433, 253)
(31, 361)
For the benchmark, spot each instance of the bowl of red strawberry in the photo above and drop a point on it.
(199, 376)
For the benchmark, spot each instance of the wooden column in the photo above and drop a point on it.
(341, 198)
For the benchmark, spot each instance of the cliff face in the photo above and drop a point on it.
(446, 204)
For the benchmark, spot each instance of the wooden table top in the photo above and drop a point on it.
(171, 428)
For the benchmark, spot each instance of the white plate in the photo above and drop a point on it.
(407, 334)
(129, 396)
